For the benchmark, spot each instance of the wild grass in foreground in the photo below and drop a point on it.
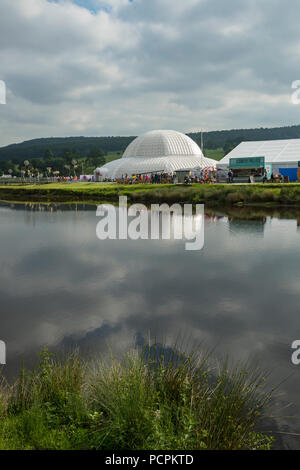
(143, 401)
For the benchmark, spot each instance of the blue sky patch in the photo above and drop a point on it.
(92, 5)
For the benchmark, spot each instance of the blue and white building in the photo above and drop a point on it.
(280, 156)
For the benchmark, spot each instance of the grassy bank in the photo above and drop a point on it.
(143, 401)
(215, 194)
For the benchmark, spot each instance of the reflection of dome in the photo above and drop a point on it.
(158, 151)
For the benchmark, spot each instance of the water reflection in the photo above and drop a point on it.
(60, 286)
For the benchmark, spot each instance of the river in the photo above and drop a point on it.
(61, 287)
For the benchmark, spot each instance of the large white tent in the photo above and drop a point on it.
(158, 151)
(280, 155)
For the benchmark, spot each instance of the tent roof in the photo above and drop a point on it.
(282, 151)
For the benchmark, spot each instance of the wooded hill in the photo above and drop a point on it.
(226, 139)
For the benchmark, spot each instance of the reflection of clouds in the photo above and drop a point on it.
(123, 269)
(60, 284)
(78, 281)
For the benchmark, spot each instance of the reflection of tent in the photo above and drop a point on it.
(254, 225)
(158, 152)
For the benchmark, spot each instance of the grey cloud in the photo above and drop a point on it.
(186, 65)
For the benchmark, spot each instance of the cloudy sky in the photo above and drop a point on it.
(120, 67)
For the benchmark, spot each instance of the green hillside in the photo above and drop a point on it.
(216, 154)
(216, 143)
(231, 138)
(79, 146)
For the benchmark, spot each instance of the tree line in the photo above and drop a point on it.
(36, 148)
(70, 163)
(228, 139)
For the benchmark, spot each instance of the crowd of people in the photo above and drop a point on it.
(258, 176)
(274, 178)
(202, 177)
(207, 175)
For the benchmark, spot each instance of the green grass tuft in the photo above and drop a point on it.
(144, 400)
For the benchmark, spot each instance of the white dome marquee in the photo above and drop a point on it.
(158, 151)
(162, 144)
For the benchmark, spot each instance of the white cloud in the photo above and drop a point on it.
(132, 66)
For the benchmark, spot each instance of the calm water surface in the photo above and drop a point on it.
(60, 286)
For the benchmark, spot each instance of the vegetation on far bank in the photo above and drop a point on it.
(146, 400)
(210, 194)
(70, 163)
(225, 139)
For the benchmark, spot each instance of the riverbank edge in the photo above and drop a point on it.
(214, 194)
